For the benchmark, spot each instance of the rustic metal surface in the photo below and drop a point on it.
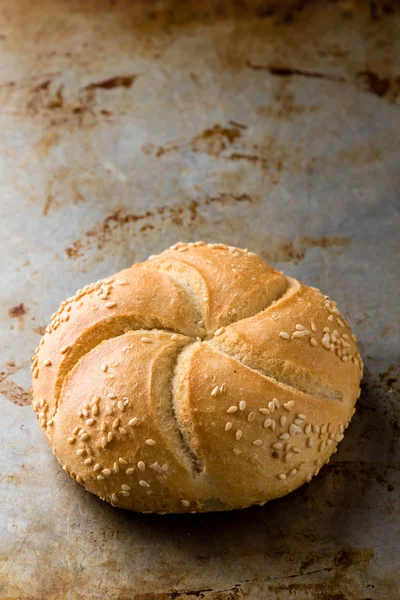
(125, 127)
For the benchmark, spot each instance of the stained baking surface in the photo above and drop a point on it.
(128, 126)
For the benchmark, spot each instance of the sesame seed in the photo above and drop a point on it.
(264, 411)
(267, 423)
(88, 461)
(303, 333)
(129, 471)
(85, 437)
(288, 456)
(116, 467)
(257, 443)
(81, 452)
(47, 362)
(114, 497)
(95, 410)
(284, 436)
(71, 440)
(109, 410)
(126, 487)
(133, 422)
(228, 426)
(313, 326)
(282, 476)
(219, 331)
(100, 477)
(289, 405)
(185, 503)
(284, 335)
(215, 391)
(322, 446)
(97, 467)
(150, 442)
(353, 337)
(345, 358)
(277, 445)
(115, 424)
(90, 421)
(36, 373)
(141, 465)
(239, 434)
(251, 416)
(313, 342)
(64, 349)
(124, 493)
(144, 483)
(293, 472)
(236, 451)
(103, 426)
(121, 282)
(324, 427)
(110, 436)
(110, 304)
(232, 409)
(242, 405)
(315, 428)
(296, 450)
(330, 318)
(340, 322)
(106, 472)
(300, 327)
(104, 367)
(146, 340)
(103, 442)
(122, 461)
(121, 405)
(174, 336)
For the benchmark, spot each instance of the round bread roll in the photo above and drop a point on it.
(200, 380)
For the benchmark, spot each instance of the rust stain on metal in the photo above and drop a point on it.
(384, 87)
(118, 81)
(44, 145)
(11, 390)
(208, 593)
(229, 199)
(295, 249)
(17, 311)
(390, 378)
(252, 158)
(48, 203)
(40, 329)
(290, 72)
(103, 232)
(212, 141)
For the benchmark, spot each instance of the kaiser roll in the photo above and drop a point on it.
(200, 380)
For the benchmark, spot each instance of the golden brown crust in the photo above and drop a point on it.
(150, 419)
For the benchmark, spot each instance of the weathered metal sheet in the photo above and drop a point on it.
(126, 126)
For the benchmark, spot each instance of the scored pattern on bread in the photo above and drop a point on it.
(202, 379)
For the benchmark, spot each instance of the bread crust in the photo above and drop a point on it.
(201, 379)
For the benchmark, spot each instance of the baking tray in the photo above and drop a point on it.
(126, 126)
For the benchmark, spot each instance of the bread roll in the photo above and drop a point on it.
(200, 380)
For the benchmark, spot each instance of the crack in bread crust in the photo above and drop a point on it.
(280, 382)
